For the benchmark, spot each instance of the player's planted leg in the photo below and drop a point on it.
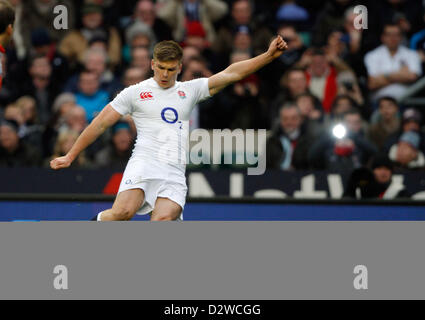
(166, 210)
(125, 206)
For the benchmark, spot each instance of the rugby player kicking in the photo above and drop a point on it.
(154, 179)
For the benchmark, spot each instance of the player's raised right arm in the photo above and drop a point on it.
(106, 118)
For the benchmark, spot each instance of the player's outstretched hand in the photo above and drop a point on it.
(277, 47)
(60, 163)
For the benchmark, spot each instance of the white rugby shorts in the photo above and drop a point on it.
(152, 187)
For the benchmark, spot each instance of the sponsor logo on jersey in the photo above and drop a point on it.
(182, 94)
(146, 96)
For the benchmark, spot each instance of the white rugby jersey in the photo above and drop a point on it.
(162, 121)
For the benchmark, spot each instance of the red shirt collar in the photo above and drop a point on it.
(2, 49)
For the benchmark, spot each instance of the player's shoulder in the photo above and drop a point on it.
(148, 83)
(193, 84)
(138, 87)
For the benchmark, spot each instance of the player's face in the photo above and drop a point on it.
(165, 73)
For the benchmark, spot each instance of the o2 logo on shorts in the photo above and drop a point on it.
(169, 115)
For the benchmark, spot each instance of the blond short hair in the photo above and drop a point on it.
(167, 50)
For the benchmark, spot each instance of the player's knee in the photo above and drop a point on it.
(123, 213)
(164, 217)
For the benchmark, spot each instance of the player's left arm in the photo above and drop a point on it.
(239, 70)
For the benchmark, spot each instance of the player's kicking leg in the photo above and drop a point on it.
(125, 206)
(166, 210)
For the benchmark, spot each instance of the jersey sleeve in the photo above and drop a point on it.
(200, 89)
(123, 101)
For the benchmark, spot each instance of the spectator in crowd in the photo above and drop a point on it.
(196, 67)
(340, 106)
(141, 59)
(347, 44)
(61, 107)
(30, 131)
(375, 183)
(387, 122)
(241, 15)
(177, 14)
(411, 121)
(110, 9)
(307, 103)
(292, 84)
(335, 49)
(13, 151)
(145, 12)
(62, 104)
(197, 37)
(356, 42)
(361, 184)
(117, 153)
(383, 169)
(352, 36)
(406, 152)
(296, 47)
(242, 39)
(133, 76)
(288, 145)
(40, 86)
(12, 112)
(138, 35)
(65, 141)
(75, 120)
(321, 77)
(36, 14)
(43, 46)
(348, 85)
(243, 101)
(290, 12)
(355, 124)
(391, 66)
(90, 96)
(190, 52)
(348, 151)
(76, 42)
(332, 16)
(96, 61)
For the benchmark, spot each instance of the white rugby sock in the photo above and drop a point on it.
(99, 216)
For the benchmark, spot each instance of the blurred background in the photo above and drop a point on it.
(343, 107)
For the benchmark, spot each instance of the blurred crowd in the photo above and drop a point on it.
(333, 74)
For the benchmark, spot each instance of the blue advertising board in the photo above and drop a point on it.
(78, 211)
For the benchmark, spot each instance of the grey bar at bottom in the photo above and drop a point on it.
(212, 260)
